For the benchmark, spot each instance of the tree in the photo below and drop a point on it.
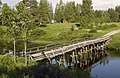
(86, 13)
(117, 9)
(59, 12)
(114, 16)
(50, 12)
(77, 12)
(70, 11)
(0, 12)
(32, 6)
(25, 22)
(43, 15)
(9, 18)
(0, 6)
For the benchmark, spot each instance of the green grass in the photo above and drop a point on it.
(114, 42)
(10, 70)
(60, 33)
(57, 33)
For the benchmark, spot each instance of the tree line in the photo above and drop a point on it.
(42, 13)
(85, 14)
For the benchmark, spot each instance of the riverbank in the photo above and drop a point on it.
(56, 34)
(114, 43)
(10, 70)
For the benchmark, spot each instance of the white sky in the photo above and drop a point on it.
(97, 4)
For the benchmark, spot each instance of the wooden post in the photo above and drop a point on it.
(73, 57)
(64, 61)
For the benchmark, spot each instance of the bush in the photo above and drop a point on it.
(1, 32)
(72, 28)
(78, 25)
(107, 26)
(113, 25)
(43, 25)
(38, 32)
(10, 70)
(93, 31)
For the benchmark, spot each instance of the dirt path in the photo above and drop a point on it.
(112, 33)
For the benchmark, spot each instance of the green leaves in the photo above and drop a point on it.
(86, 13)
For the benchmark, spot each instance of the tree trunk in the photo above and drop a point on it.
(14, 42)
(25, 47)
(25, 44)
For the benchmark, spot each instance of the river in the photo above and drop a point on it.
(110, 68)
(106, 67)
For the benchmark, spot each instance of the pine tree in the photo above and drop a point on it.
(50, 12)
(0, 6)
(43, 11)
(59, 12)
(70, 11)
(114, 16)
(117, 9)
(0, 12)
(86, 13)
(77, 12)
(32, 6)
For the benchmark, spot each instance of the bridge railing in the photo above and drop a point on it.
(56, 46)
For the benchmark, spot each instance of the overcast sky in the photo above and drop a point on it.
(97, 4)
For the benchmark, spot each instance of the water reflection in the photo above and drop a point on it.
(79, 60)
(109, 68)
(91, 65)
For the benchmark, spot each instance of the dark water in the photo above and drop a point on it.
(105, 67)
(109, 68)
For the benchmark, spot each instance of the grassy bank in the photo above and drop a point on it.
(57, 34)
(114, 43)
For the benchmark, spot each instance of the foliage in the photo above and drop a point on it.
(43, 11)
(9, 70)
(93, 31)
(86, 14)
(70, 11)
(72, 28)
(59, 12)
(2, 32)
(37, 33)
(114, 15)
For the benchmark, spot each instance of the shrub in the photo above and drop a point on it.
(1, 32)
(93, 31)
(43, 25)
(78, 25)
(38, 32)
(113, 25)
(72, 28)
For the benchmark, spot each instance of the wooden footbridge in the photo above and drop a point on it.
(38, 54)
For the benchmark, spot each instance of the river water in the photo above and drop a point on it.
(108, 67)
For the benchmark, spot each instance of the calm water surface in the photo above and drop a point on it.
(108, 67)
